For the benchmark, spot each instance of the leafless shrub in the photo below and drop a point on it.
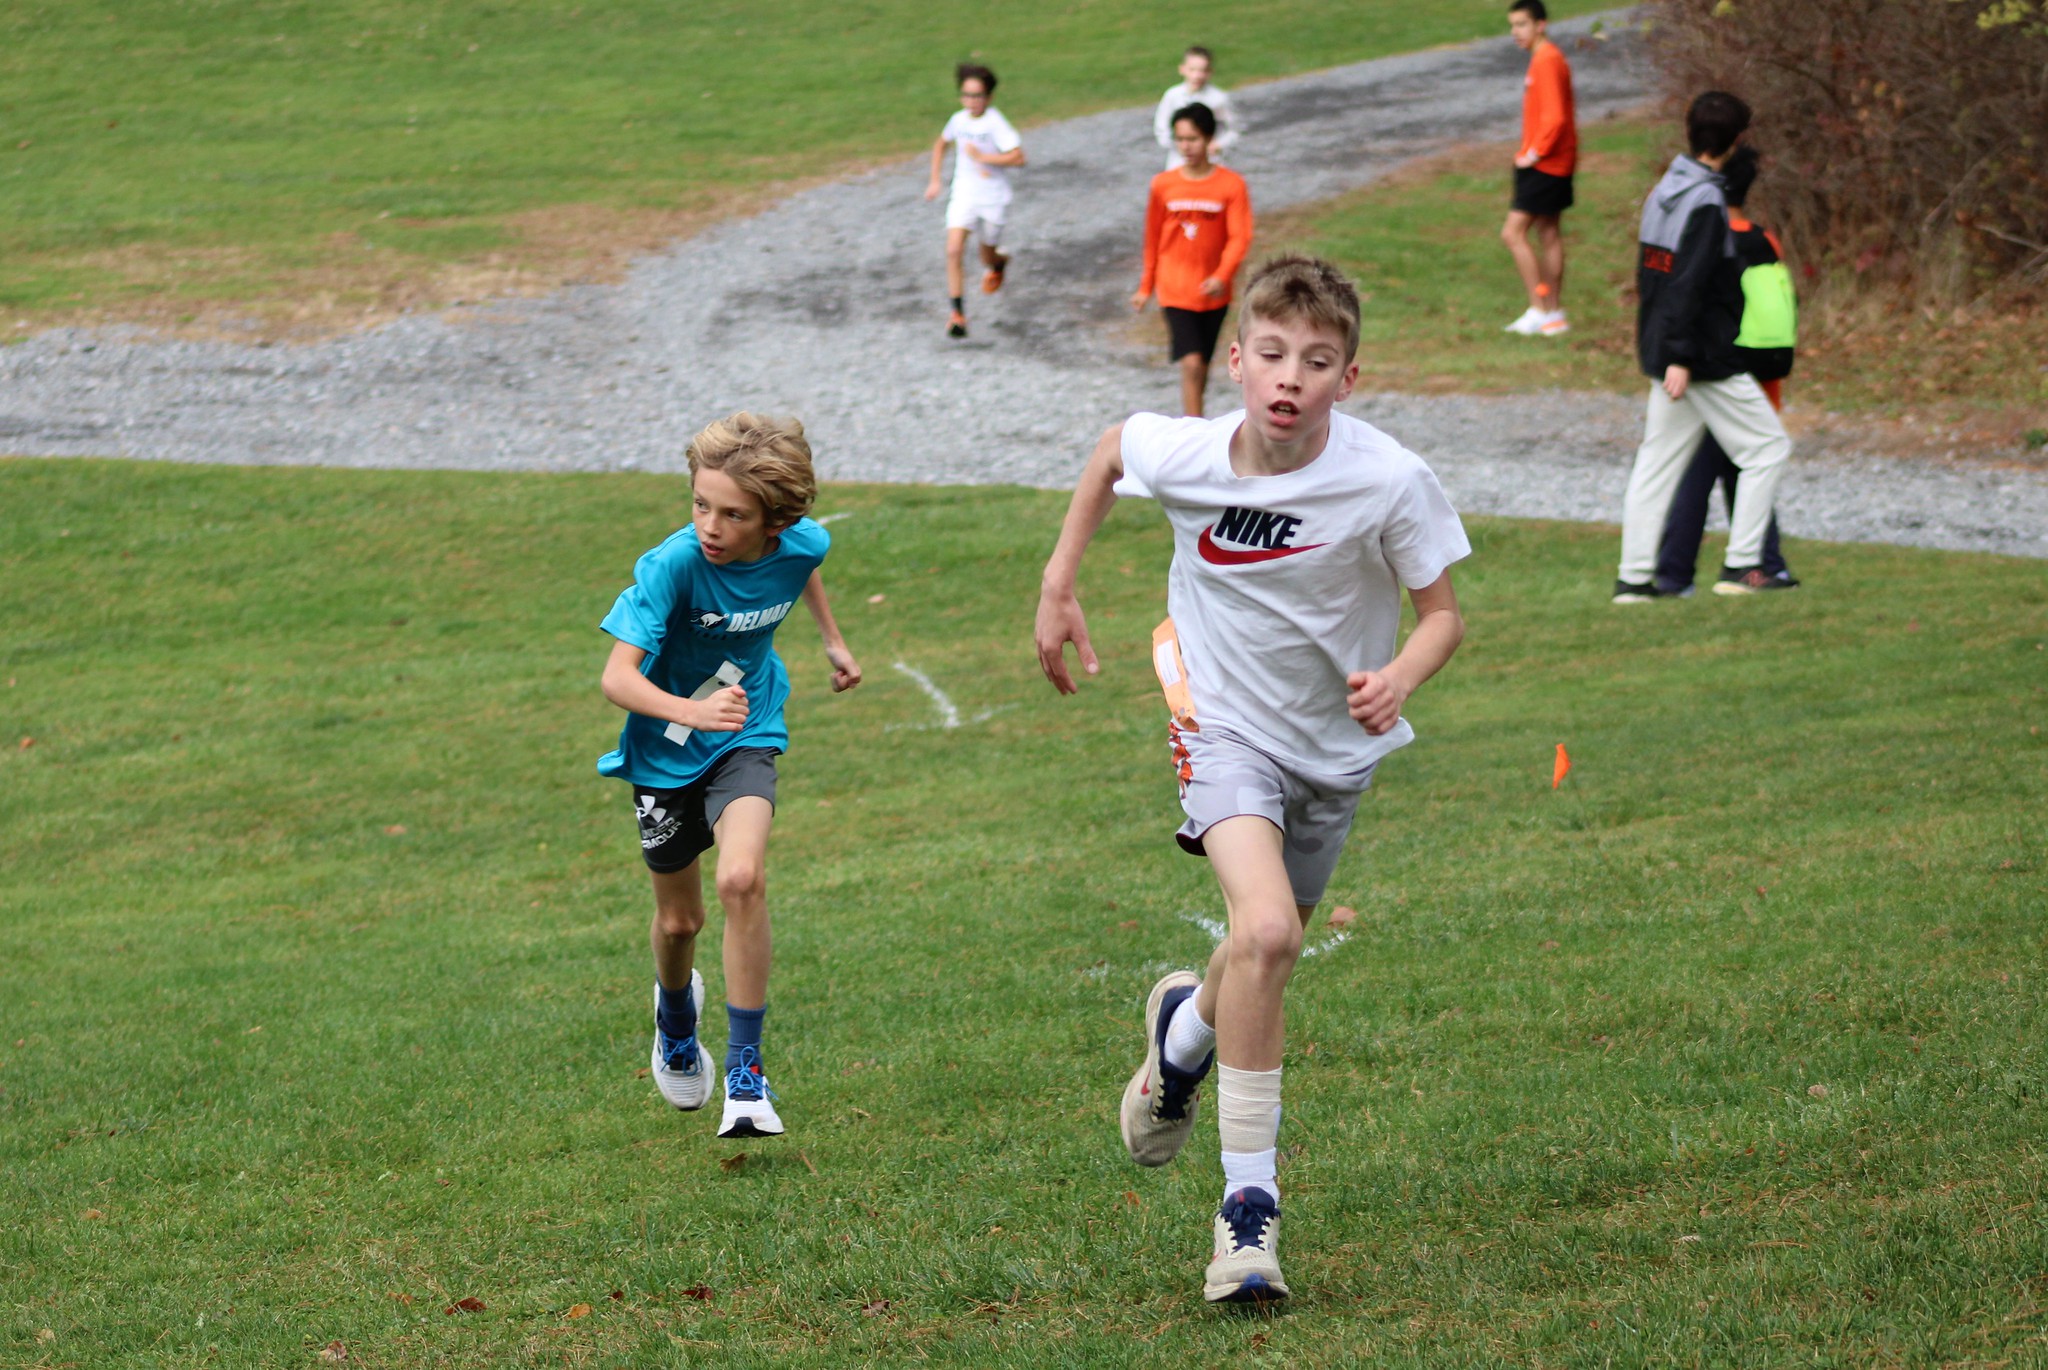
(1906, 141)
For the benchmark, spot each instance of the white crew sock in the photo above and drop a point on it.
(1248, 1120)
(1189, 1040)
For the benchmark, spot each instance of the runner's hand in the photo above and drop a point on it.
(722, 712)
(1138, 299)
(1061, 621)
(931, 191)
(1213, 288)
(845, 670)
(1375, 700)
(1676, 378)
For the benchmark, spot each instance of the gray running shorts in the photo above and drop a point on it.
(677, 826)
(1223, 776)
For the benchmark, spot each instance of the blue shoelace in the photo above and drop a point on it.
(1176, 1092)
(679, 1056)
(1247, 1219)
(747, 1081)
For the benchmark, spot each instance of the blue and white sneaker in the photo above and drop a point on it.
(1246, 1268)
(682, 1070)
(1158, 1109)
(749, 1103)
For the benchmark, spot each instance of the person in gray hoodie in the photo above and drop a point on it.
(1689, 310)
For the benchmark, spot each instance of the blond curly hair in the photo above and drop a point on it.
(768, 458)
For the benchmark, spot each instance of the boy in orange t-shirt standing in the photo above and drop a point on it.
(1198, 228)
(1543, 172)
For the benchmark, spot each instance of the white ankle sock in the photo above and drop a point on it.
(1188, 1038)
(1248, 1120)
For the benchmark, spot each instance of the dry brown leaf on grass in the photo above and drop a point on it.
(27, 742)
(405, 1299)
(1342, 914)
(48, 1334)
(732, 1162)
(92, 1215)
(471, 1304)
(617, 1295)
(334, 1351)
(700, 1292)
(643, 1072)
(394, 830)
(580, 1310)
(874, 1308)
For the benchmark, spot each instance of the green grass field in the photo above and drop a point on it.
(323, 968)
(160, 151)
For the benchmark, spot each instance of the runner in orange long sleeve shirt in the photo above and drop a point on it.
(1198, 228)
(1543, 172)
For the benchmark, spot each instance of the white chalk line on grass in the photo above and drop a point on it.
(834, 518)
(949, 712)
(1216, 929)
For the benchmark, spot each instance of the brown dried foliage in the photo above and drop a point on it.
(1905, 141)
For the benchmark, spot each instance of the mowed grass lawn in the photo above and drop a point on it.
(323, 967)
(157, 152)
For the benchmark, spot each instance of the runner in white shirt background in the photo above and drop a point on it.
(1295, 529)
(988, 147)
(1194, 89)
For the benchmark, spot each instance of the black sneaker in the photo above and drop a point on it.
(1751, 580)
(1638, 592)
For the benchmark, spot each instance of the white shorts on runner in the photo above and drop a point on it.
(983, 221)
(1223, 776)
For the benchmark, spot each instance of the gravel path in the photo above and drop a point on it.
(829, 306)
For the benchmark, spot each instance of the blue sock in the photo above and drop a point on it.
(675, 1015)
(742, 1029)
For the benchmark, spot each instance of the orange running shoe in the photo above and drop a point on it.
(992, 279)
(956, 327)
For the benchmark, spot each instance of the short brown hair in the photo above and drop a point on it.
(768, 458)
(1294, 287)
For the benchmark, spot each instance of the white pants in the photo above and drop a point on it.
(1740, 417)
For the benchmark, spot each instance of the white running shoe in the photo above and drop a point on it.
(1529, 324)
(1158, 1109)
(682, 1070)
(1554, 325)
(749, 1103)
(1246, 1268)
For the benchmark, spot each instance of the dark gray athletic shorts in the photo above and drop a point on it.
(1223, 776)
(1540, 193)
(676, 825)
(1192, 331)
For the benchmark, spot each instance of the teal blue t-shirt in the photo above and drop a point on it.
(690, 617)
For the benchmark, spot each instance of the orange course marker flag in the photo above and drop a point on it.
(1560, 768)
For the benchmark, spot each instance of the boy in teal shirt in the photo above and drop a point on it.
(694, 666)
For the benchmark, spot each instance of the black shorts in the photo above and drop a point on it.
(676, 825)
(1540, 193)
(1192, 331)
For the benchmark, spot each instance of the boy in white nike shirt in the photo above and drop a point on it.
(988, 148)
(1295, 529)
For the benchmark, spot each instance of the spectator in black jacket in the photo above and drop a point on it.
(1769, 333)
(1689, 287)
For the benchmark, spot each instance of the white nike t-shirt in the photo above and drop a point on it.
(975, 185)
(1283, 585)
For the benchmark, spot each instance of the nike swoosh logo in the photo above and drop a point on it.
(1225, 556)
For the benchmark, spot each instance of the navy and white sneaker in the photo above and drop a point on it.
(682, 1070)
(749, 1103)
(1159, 1103)
(1246, 1267)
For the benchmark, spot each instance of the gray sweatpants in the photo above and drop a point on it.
(1741, 419)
